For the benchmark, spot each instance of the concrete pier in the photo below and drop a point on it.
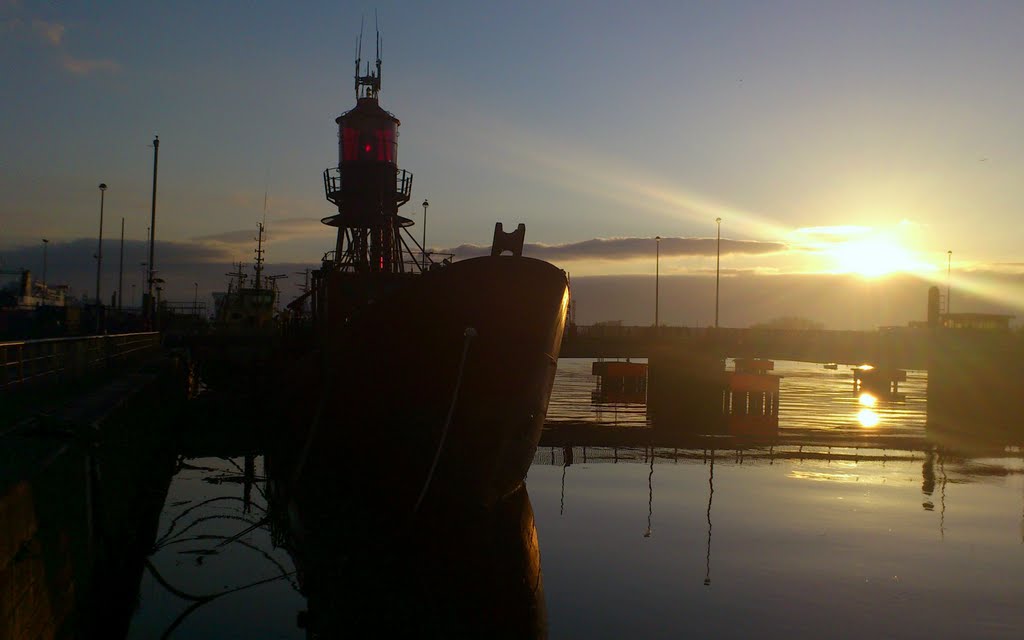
(976, 385)
(82, 483)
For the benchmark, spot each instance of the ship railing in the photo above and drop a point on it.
(332, 185)
(186, 308)
(626, 331)
(427, 261)
(30, 362)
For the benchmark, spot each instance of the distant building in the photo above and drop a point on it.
(976, 321)
(985, 321)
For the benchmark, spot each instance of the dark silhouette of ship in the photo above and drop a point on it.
(442, 368)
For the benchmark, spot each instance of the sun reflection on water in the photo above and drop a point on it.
(867, 418)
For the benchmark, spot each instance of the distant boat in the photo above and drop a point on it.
(245, 333)
(248, 309)
(831, 365)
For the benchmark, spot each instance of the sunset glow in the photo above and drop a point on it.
(873, 257)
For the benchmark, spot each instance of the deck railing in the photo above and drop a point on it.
(32, 362)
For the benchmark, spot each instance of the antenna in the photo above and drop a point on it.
(359, 54)
(237, 273)
(304, 286)
(376, 26)
(368, 79)
(266, 194)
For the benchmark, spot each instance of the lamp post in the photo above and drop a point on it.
(718, 264)
(46, 243)
(120, 272)
(657, 270)
(949, 262)
(426, 204)
(143, 267)
(152, 226)
(195, 299)
(99, 249)
(158, 282)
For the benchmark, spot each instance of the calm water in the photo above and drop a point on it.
(787, 541)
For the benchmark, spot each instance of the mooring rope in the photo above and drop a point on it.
(468, 336)
(310, 436)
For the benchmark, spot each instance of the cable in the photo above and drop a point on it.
(468, 334)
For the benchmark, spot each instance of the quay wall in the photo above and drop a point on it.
(81, 488)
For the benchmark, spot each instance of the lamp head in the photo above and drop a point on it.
(103, 186)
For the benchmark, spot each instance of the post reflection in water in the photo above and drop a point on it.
(650, 497)
(711, 495)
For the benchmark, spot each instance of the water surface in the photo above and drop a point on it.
(798, 539)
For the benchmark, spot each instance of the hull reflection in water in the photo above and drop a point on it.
(447, 573)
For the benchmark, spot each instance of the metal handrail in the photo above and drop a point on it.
(332, 185)
(27, 362)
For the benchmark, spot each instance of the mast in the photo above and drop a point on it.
(259, 257)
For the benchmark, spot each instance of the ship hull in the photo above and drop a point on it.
(437, 393)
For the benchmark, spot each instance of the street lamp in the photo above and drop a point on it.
(718, 264)
(120, 272)
(426, 204)
(195, 299)
(99, 250)
(45, 244)
(144, 270)
(949, 262)
(657, 269)
(157, 282)
(152, 228)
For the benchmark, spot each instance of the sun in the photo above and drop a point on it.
(873, 257)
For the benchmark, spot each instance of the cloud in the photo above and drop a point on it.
(77, 255)
(52, 33)
(840, 301)
(835, 232)
(277, 230)
(628, 248)
(1000, 267)
(747, 296)
(180, 264)
(84, 67)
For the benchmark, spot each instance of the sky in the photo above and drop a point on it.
(831, 139)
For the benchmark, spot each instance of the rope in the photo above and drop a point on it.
(468, 336)
(310, 436)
